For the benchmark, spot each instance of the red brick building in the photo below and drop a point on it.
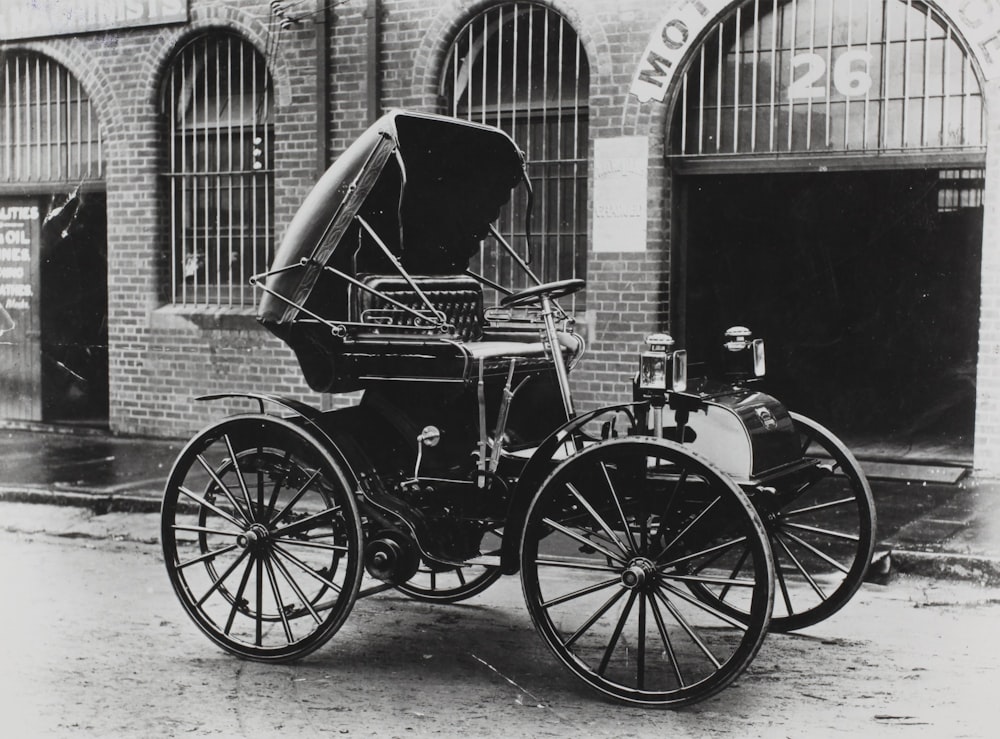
(825, 172)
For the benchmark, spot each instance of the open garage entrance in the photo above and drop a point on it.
(828, 161)
(865, 286)
(53, 259)
(74, 312)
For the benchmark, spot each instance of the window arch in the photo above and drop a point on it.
(520, 66)
(216, 99)
(49, 131)
(810, 77)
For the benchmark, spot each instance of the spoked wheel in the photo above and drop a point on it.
(262, 538)
(612, 540)
(824, 538)
(822, 532)
(433, 584)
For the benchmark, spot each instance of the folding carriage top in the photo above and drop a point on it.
(372, 279)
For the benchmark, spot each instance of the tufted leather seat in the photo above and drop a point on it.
(427, 353)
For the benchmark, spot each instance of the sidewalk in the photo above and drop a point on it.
(939, 529)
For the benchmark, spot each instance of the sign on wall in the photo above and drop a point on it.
(620, 193)
(21, 19)
(20, 356)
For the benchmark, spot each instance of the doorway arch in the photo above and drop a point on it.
(53, 266)
(830, 159)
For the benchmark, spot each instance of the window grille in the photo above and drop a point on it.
(522, 68)
(960, 189)
(49, 130)
(217, 101)
(830, 76)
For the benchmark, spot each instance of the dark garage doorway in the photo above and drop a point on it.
(865, 286)
(74, 310)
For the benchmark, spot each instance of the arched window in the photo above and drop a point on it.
(218, 106)
(49, 131)
(521, 67)
(818, 77)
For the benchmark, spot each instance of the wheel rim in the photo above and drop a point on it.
(433, 584)
(822, 533)
(261, 538)
(822, 540)
(610, 600)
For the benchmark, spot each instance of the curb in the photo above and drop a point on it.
(981, 569)
(98, 503)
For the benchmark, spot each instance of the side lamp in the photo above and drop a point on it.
(659, 360)
(740, 342)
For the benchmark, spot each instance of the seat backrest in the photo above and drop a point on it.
(459, 297)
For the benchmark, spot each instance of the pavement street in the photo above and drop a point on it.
(942, 529)
(96, 645)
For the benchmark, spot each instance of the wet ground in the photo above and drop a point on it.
(952, 528)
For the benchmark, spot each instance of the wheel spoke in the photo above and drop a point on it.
(616, 635)
(735, 623)
(615, 597)
(215, 509)
(273, 500)
(600, 520)
(716, 551)
(239, 475)
(580, 593)
(640, 657)
(573, 564)
(802, 570)
(689, 630)
(238, 598)
(204, 530)
(259, 626)
(247, 518)
(206, 556)
(618, 507)
(783, 586)
(229, 570)
(667, 643)
(821, 532)
(584, 540)
(287, 508)
(312, 544)
(688, 527)
(303, 523)
(678, 484)
(735, 571)
(727, 582)
(306, 568)
(279, 604)
(819, 507)
(298, 591)
(822, 555)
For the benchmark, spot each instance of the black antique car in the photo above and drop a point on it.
(657, 540)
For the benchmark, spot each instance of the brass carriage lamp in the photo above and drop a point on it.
(654, 364)
(745, 354)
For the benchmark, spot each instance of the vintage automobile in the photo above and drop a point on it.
(653, 537)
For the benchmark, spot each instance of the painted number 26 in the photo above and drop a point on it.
(847, 80)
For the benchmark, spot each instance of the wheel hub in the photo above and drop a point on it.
(639, 572)
(254, 537)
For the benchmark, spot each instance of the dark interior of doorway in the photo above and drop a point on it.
(865, 290)
(74, 310)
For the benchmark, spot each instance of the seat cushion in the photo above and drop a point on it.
(458, 297)
(388, 349)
